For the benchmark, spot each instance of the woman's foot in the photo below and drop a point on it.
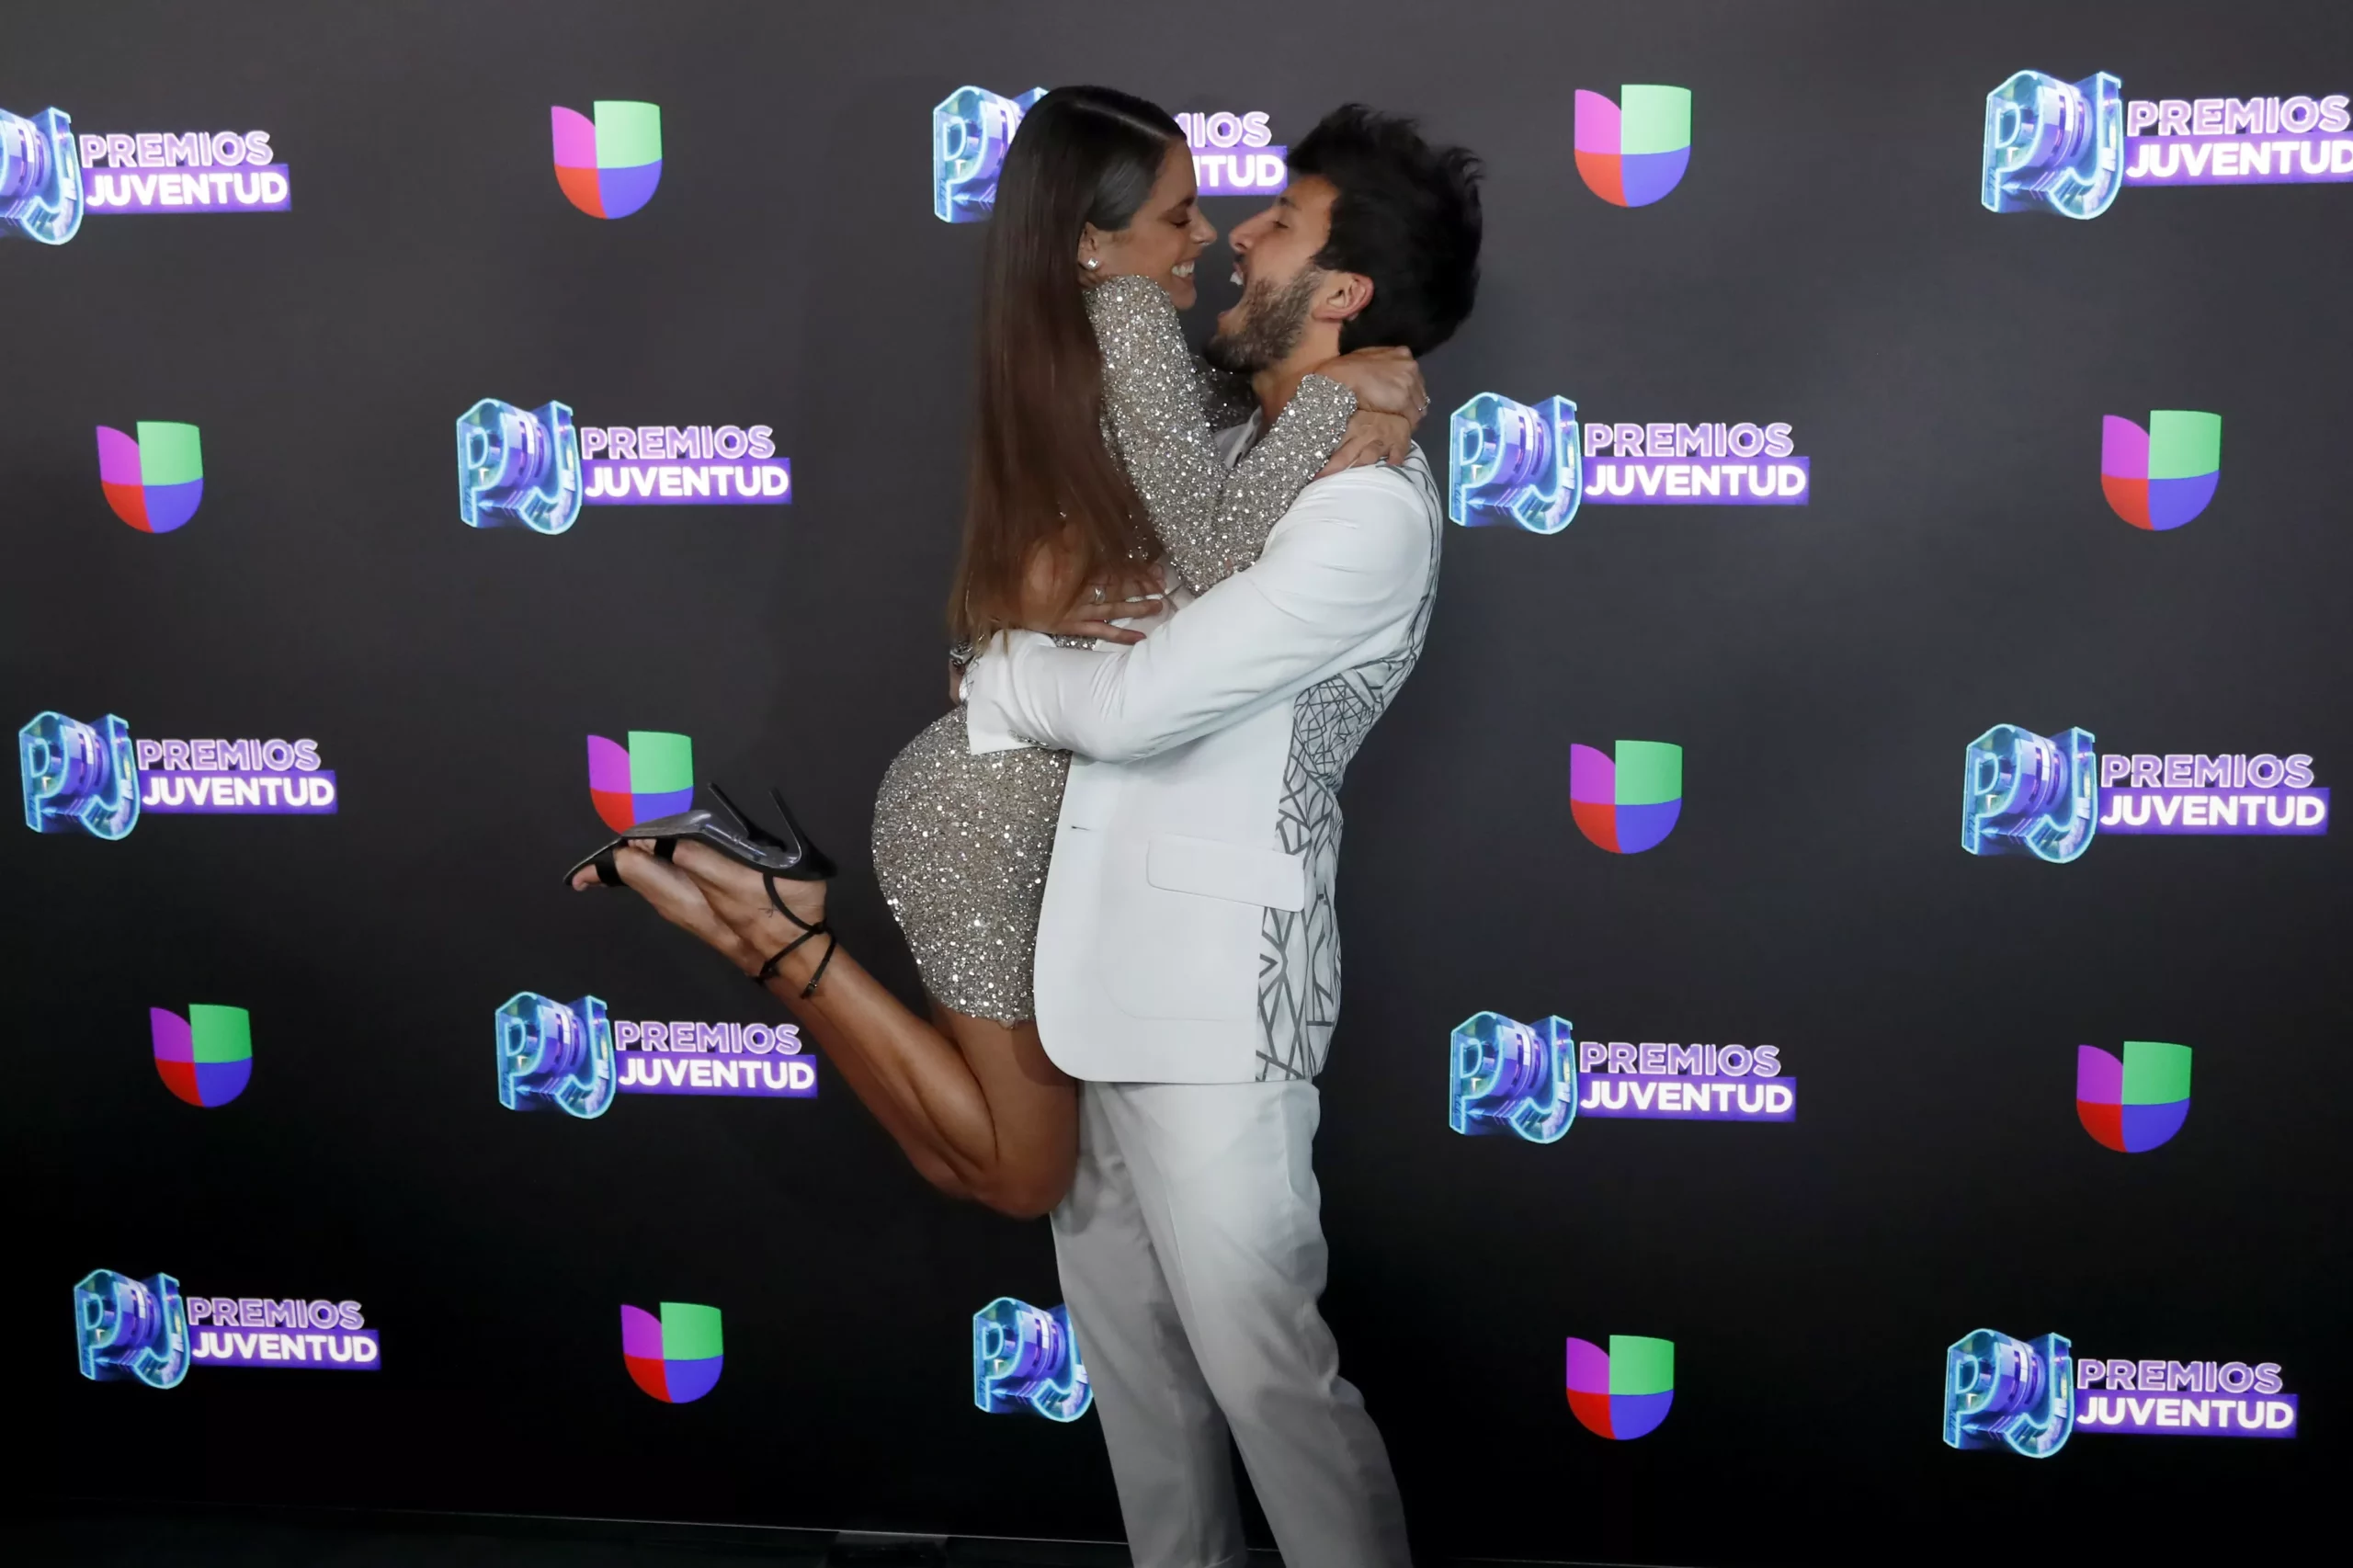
(738, 895)
(674, 896)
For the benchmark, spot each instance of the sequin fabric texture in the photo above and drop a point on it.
(1158, 407)
(960, 845)
(961, 842)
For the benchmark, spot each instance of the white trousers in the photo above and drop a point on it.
(1192, 1250)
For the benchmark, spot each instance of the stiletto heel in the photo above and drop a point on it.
(794, 856)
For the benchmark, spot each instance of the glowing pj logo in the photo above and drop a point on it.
(676, 1357)
(653, 776)
(1515, 464)
(130, 1330)
(207, 1057)
(1633, 155)
(515, 466)
(2161, 477)
(2023, 794)
(555, 1055)
(41, 177)
(154, 482)
(970, 129)
(1630, 804)
(79, 778)
(2135, 1104)
(1025, 1361)
(2051, 147)
(2013, 1393)
(1513, 1077)
(1624, 1391)
(609, 166)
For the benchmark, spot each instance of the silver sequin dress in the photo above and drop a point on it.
(961, 842)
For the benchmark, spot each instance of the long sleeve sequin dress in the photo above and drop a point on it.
(961, 842)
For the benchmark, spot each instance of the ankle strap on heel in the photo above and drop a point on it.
(768, 970)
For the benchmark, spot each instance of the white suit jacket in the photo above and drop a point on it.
(1188, 934)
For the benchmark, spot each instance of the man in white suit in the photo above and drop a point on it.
(1187, 964)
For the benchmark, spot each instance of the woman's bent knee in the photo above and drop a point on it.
(1025, 1194)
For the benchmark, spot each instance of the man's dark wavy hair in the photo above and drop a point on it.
(1408, 217)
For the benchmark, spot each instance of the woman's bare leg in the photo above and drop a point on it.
(976, 1104)
(979, 1096)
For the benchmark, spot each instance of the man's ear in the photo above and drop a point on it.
(1343, 296)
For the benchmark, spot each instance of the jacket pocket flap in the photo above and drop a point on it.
(1214, 869)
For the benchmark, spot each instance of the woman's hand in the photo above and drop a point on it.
(1371, 439)
(1386, 380)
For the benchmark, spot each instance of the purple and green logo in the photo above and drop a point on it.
(674, 1357)
(652, 777)
(2135, 1104)
(1627, 805)
(2161, 477)
(609, 166)
(205, 1058)
(1623, 1392)
(1633, 155)
(154, 479)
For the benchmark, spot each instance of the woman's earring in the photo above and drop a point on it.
(1090, 263)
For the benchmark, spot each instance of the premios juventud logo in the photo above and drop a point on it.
(51, 176)
(572, 1057)
(2070, 147)
(972, 128)
(534, 469)
(1535, 1080)
(97, 780)
(2048, 796)
(149, 1331)
(1511, 464)
(2031, 1395)
(1026, 1362)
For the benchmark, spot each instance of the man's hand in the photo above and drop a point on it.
(1131, 594)
(1371, 439)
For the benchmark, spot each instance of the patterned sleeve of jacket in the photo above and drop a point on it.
(1213, 519)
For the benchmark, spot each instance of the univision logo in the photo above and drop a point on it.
(610, 166)
(652, 777)
(153, 481)
(2134, 1104)
(1629, 804)
(1630, 156)
(676, 1357)
(207, 1057)
(2161, 477)
(1623, 1392)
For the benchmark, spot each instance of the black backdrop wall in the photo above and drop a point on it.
(1825, 263)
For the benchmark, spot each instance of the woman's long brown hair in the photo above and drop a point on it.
(1040, 473)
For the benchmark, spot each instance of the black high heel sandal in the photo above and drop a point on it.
(793, 856)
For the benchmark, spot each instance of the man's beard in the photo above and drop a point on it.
(1273, 317)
